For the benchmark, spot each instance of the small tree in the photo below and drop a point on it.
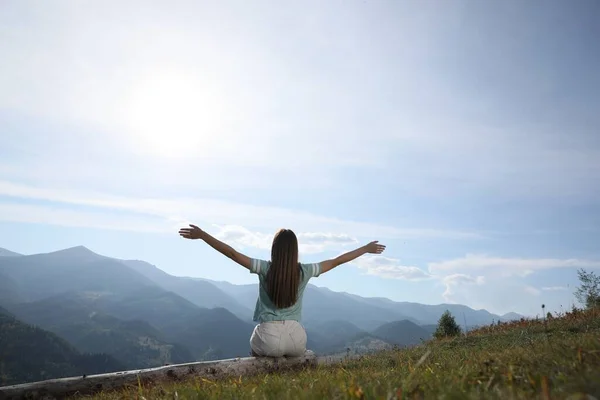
(447, 326)
(588, 293)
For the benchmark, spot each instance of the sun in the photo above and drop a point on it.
(172, 115)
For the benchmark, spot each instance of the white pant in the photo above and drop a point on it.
(278, 339)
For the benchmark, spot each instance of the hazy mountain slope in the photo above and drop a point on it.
(134, 343)
(511, 316)
(82, 321)
(429, 314)
(42, 275)
(8, 253)
(29, 353)
(339, 329)
(321, 305)
(9, 292)
(402, 333)
(57, 311)
(244, 294)
(200, 292)
(206, 333)
(211, 334)
(337, 336)
(367, 312)
(430, 328)
(152, 304)
(135, 290)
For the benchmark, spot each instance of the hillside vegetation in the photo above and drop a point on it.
(28, 353)
(543, 359)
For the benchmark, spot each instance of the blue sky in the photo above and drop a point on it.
(464, 135)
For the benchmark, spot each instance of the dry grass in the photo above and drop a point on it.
(527, 359)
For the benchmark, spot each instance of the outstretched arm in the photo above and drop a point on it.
(196, 233)
(373, 248)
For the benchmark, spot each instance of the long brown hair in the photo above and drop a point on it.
(283, 276)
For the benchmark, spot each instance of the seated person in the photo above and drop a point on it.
(282, 281)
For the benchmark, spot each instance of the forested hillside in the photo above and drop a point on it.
(28, 353)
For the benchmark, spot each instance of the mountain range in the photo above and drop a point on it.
(140, 316)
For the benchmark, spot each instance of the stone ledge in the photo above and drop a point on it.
(83, 385)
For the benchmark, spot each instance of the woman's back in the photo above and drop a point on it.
(265, 309)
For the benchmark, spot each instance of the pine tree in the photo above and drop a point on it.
(588, 293)
(447, 326)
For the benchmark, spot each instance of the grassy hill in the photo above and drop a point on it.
(518, 360)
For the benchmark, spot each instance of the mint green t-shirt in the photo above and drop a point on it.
(265, 310)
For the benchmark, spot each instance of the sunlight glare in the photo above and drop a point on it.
(173, 115)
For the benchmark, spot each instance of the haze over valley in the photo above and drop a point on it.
(128, 314)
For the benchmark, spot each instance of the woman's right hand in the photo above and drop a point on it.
(191, 233)
(375, 248)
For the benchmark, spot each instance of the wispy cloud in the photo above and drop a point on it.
(176, 211)
(498, 283)
(309, 242)
(60, 216)
(507, 266)
(532, 290)
(555, 288)
(486, 280)
(390, 268)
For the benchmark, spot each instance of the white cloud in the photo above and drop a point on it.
(240, 236)
(453, 281)
(506, 267)
(532, 290)
(221, 212)
(390, 268)
(52, 215)
(462, 278)
(497, 284)
(320, 238)
(308, 242)
(555, 288)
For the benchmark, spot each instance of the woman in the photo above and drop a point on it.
(281, 285)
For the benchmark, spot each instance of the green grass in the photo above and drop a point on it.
(522, 360)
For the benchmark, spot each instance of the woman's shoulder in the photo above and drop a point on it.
(310, 269)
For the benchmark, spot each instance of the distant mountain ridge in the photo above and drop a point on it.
(144, 317)
(320, 304)
(511, 316)
(42, 275)
(8, 253)
(402, 333)
(198, 292)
